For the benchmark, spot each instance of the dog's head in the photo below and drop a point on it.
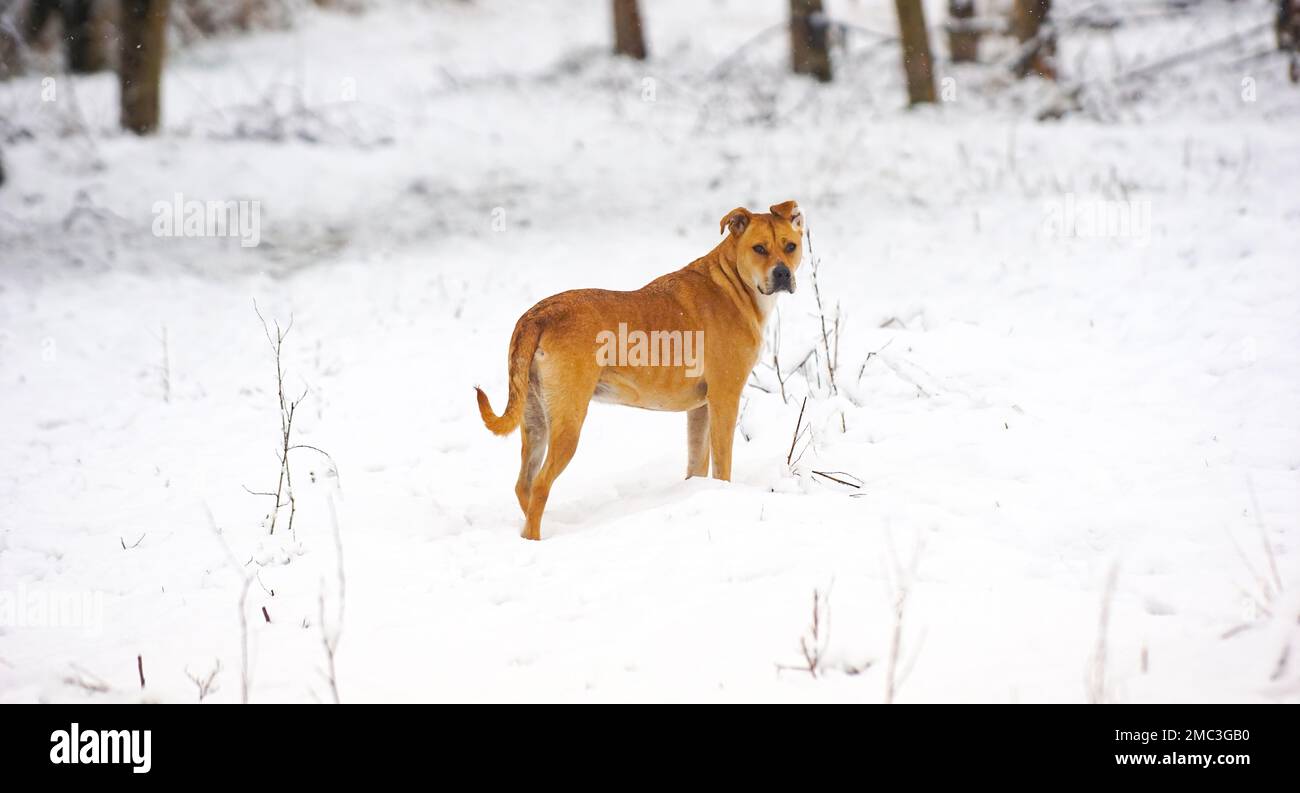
(769, 246)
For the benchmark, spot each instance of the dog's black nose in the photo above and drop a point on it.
(780, 275)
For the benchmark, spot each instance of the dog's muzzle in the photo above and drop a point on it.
(781, 280)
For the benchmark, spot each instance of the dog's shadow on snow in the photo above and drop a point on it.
(618, 501)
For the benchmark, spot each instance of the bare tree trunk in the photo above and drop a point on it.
(917, 61)
(144, 29)
(963, 43)
(809, 34)
(82, 42)
(38, 15)
(83, 36)
(1039, 44)
(629, 37)
(11, 62)
(1288, 34)
(1288, 16)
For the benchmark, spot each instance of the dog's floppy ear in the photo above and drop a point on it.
(737, 220)
(790, 212)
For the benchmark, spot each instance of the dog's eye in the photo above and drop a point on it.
(789, 247)
(760, 250)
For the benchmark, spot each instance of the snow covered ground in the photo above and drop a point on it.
(1028, 411)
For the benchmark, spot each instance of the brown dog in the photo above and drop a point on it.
(685, 341)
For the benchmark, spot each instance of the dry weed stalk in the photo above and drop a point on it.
(330, 639)
(1096, 676)
(206, 684)
(832, 353)
(900, 580)
(247, 580)
(813, 643)
(283, 495)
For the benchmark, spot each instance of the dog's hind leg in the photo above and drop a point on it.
(566, 410)
(697, 441)
(563, 441)
(535, 438)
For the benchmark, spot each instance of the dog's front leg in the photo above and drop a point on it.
(723, 405)
(697, 441)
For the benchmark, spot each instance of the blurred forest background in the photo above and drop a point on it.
(1019, 37)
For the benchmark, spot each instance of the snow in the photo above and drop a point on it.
(1027, 413)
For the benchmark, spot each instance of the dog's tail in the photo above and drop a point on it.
(523, 343)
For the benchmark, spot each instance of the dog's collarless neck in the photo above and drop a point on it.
(743, 294)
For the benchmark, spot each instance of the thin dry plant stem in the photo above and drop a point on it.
(330, 640)
(205, 684)
(776, 355)
(284, 495)
(900, 581)
(1097, 665)
(813, 644)
(794, 439)
(246, 583)
(821, 313)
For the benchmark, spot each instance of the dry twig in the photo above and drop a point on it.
(789, 458)
(284, 495)
(206, 684)
(330, 640)
(1096, 678)
(813, 644)
(900, 580)
(246, 582)
(831, 355)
